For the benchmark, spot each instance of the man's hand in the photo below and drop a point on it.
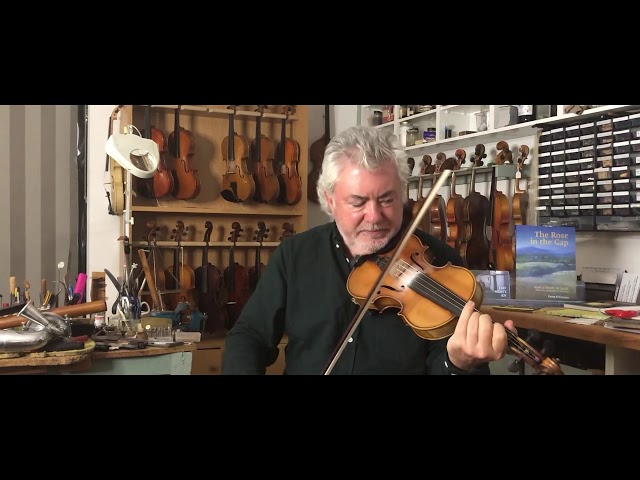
(477, 339)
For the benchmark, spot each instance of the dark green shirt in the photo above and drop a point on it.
(303, 293)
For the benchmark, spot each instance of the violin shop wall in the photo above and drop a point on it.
(103, 249)
(39, 157)
(589, 245)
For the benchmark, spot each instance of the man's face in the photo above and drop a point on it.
(367, 207)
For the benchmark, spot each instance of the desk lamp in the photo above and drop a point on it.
(134, 153)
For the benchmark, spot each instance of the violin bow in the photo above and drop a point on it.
(444, 175)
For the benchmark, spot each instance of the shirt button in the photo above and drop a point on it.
(337, 245)
(350, 339)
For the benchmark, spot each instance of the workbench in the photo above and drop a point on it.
(144, 361)
(622, 349)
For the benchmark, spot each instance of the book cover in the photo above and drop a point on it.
(545, 263)
(495, 284)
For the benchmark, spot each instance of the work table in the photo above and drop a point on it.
(174, 360)
(622, 348)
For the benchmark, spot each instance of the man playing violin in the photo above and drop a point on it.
(303, 290)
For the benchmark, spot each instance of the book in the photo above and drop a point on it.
(545, 263)
(622, 325)
(495, 284)
(592, 306)
(628, 287)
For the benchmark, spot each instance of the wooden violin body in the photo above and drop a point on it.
(429, 299)
(263, 154)
(186, 179)
(236, 278)
(179, 276)
(455, 217)
(157, 274)
(501, 248)
(430, 319)
(475, 250)
(163, 182)
(238, 184)
(520, 200)
(255, 271)
(288, 157)
(209, 289)
(438, 208)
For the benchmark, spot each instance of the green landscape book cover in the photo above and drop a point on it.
(545, 263)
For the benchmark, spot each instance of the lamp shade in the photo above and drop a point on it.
(138, 155)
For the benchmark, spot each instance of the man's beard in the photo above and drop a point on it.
(361, 246)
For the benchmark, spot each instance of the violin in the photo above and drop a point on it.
(429, 299)
(504, 155)
(115, 196)
(408, 206)
(238, 184)
(474, 249)
(455, 216)
(520, 200)
(416, 205)
(162, 182)
(412, 207)
(427, 168)
(262, 154)
(186, 180)
(316, 155)
(236, 278)
(288, 157)
(179, 276)
(411, 163)
(501, 251)
(287, 231)
(156, 274)
(255, 272)
(461, 158)
(209, 289)
(438, 210)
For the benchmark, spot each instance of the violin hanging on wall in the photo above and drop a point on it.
(179, 276)
(316, 155)
(477, 208)
(115, 195)
(238, 184)
(288, 157)
(520, 200)
(162, 182)
(186, 180)
(209, 288)
(262, 155)
(255, 272)
(236, 278)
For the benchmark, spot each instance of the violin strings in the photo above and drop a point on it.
(438, 290)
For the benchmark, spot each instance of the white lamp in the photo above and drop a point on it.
(138, 155)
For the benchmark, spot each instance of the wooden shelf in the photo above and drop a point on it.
(463, 176)
(224, 111)
(233, 209)
(172, 245)
(490, 135)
